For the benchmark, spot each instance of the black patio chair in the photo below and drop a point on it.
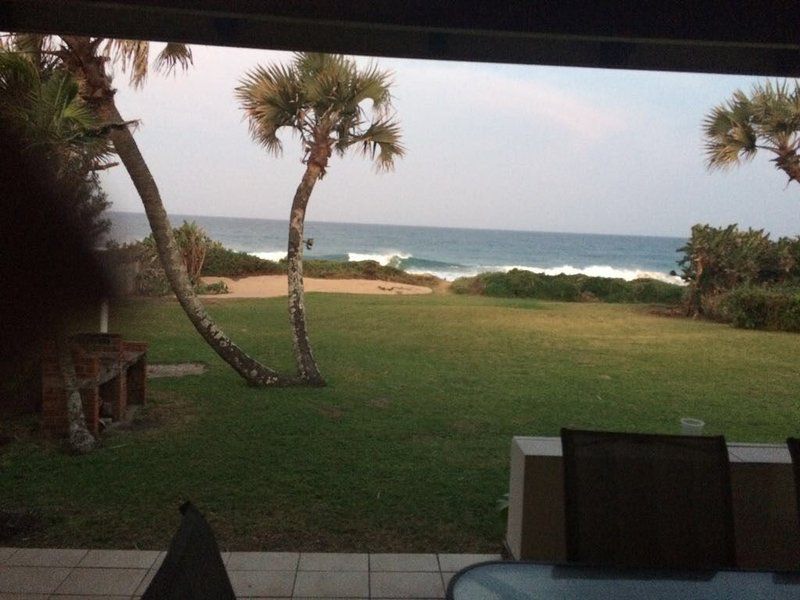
(643, 500)
(794, 450)
(193, 567)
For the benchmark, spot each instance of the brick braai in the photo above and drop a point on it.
(111, 375)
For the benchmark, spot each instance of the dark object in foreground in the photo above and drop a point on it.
(526, 580)
(794, 450)
(193, 568)
(640, 500)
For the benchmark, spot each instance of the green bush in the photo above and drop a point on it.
(468, 285)
(751, 307)
(218, 287)
(718, 260)
(652, 291)
(364, 269)
(519, 283)
(223, 262)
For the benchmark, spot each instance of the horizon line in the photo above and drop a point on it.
(652, 235)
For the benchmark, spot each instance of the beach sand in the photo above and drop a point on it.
(271, 286)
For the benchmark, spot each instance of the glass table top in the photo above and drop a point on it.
(527, 581)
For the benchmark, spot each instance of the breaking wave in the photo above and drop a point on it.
(274, 255)
(450, 271)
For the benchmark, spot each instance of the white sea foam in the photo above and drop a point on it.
(393, 258)
(387, 258)
(274, 255)
(593, 271)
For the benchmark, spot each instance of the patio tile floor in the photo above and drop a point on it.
(64, 574)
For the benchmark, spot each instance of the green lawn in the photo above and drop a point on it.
(407, 448)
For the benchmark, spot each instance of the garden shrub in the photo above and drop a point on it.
(363, 269)
(753, 307)
(223, 262)
(519, 283)
(653, 291)
(218, 287)
(717, 260)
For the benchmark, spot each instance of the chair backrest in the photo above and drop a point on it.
(645, 500)
(794, 450)
(193, 567)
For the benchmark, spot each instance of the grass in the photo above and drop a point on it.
(407, 448)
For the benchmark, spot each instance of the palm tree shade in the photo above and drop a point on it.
(333, 105)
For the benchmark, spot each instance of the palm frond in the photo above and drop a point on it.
(321, 97)
(271, 98)
(29, 42)
(381, 142)
(132, 56)
(374, 84)
(730, 135)
(48, 112)
(18, 76)
(173, 56)
(767, 119)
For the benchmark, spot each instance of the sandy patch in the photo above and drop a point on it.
(271, 286)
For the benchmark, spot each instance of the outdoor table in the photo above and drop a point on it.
(527, 581)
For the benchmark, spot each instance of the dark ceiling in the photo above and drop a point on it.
(747, 37)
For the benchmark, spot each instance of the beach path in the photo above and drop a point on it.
(270, 286)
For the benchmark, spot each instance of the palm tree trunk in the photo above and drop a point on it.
(80, 439)
(125, 146)
(80, 56)
(306, 365)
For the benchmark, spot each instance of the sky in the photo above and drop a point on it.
(488, 146)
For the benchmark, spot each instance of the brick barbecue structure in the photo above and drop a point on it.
(111, 373)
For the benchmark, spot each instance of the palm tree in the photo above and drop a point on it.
(768, 119)
(43, 106)
(86, 59)
(43, 110)
(321, 97)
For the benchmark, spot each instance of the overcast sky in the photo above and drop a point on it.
(489, 146)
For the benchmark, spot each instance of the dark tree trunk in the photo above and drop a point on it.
(100, 96)
(80, 439)
(306, 365)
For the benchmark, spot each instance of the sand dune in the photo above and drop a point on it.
(270, 286)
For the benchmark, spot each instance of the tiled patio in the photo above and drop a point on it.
(36, 574)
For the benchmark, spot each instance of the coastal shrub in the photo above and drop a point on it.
(194, 243)
(363, 269)
(218, 287)
(468, 285)
(518, 283)
(653, 291)
(223, 262)
(757, 307)
(717, 260)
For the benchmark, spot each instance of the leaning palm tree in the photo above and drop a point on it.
(768, 119)
(322, 98)
(87, 60)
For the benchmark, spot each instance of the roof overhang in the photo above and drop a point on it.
(742, 37)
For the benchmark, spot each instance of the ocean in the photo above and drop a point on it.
(445, 252)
